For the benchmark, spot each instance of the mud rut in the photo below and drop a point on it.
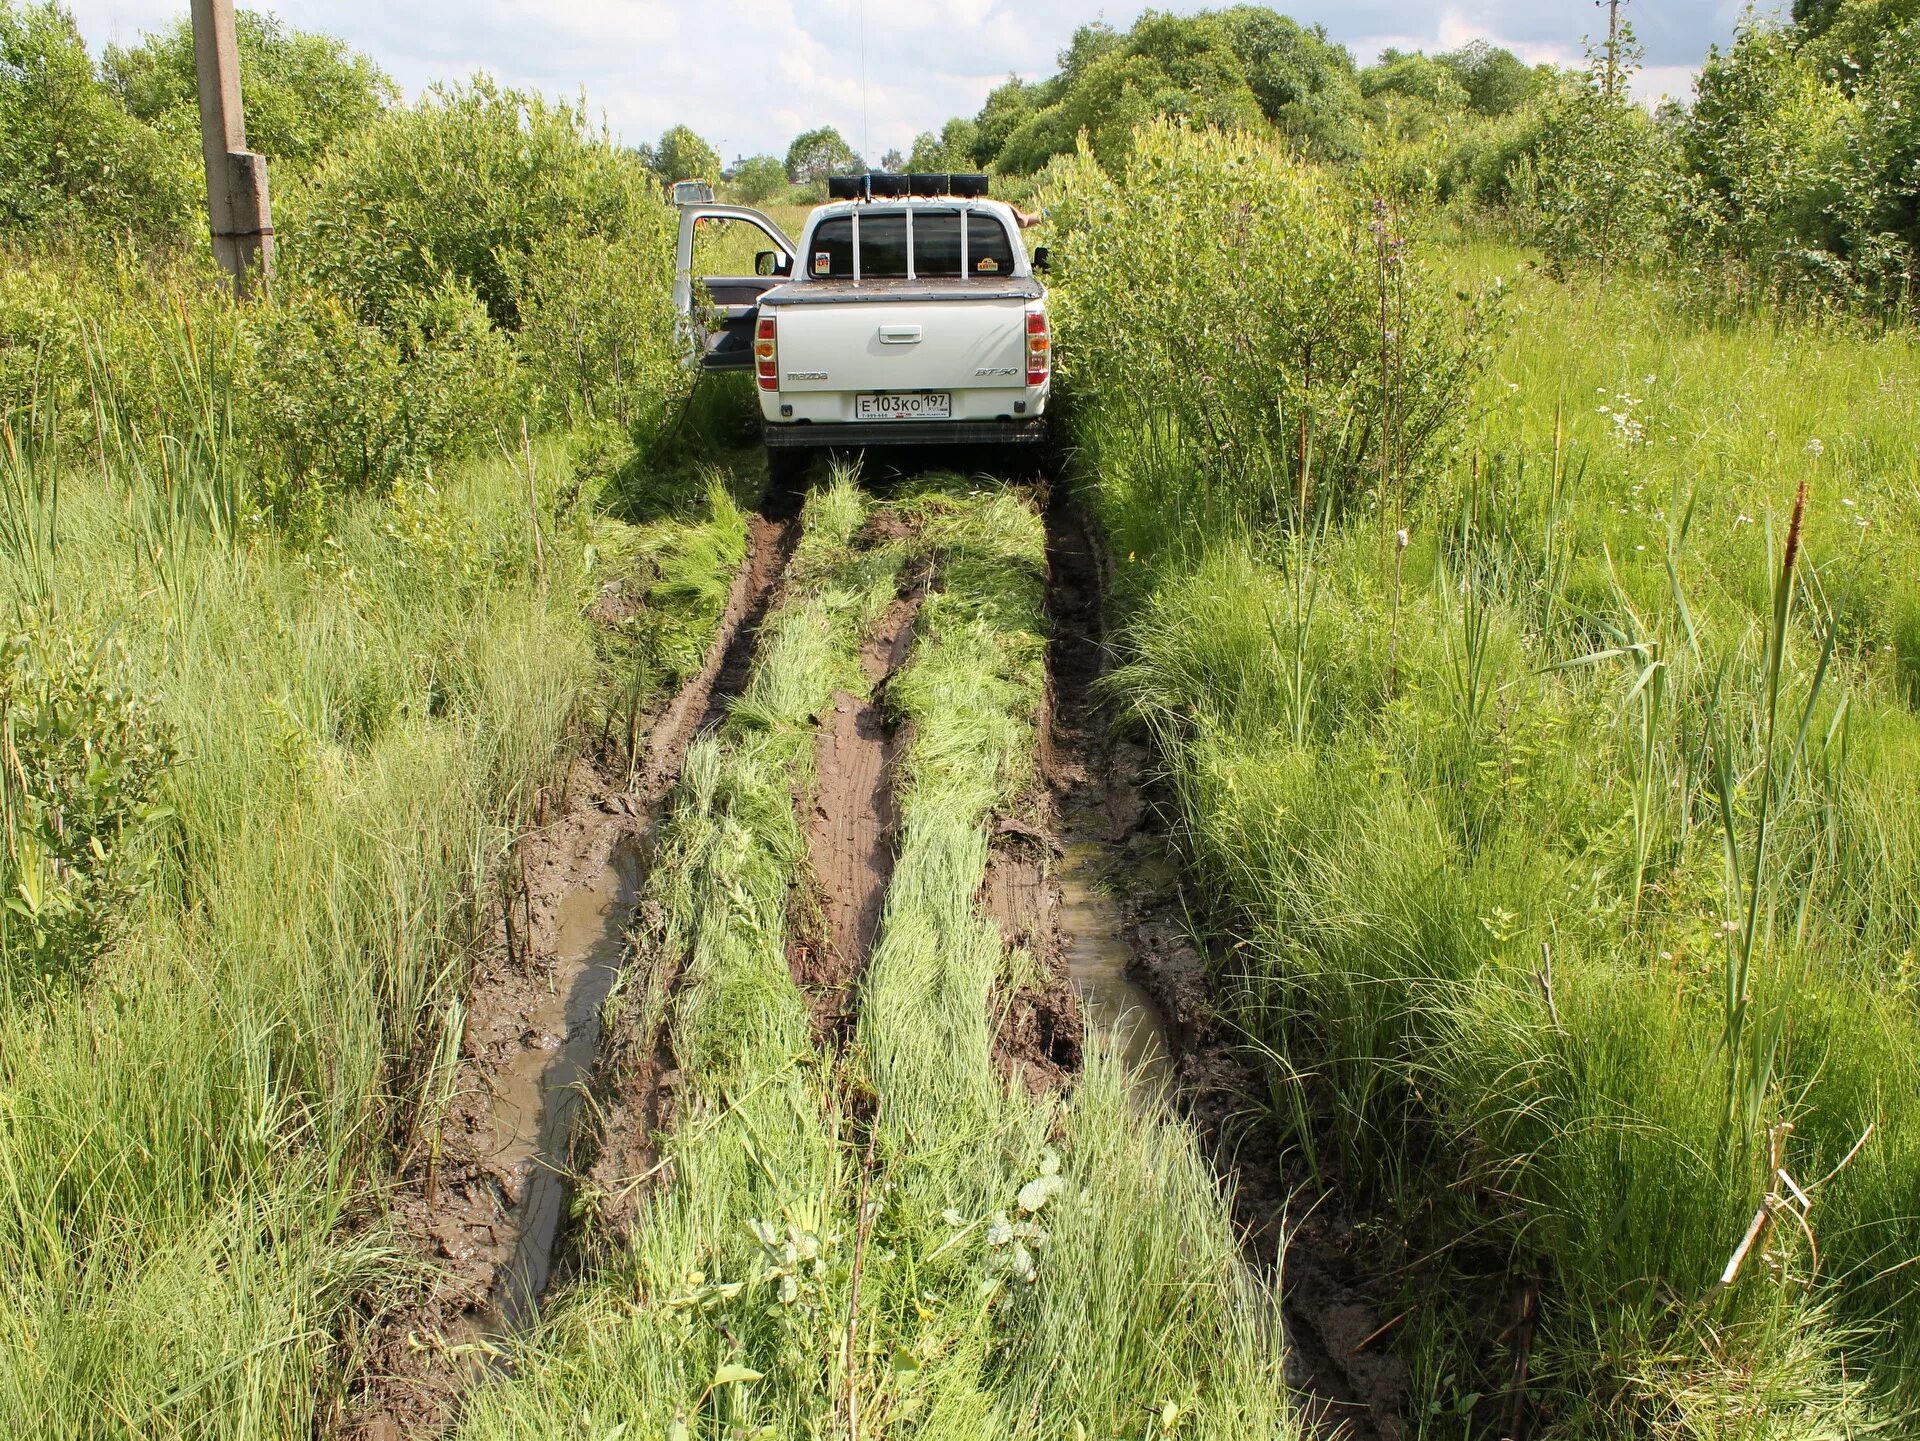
(1085, 874)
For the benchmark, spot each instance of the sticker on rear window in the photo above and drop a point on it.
(988, 263)
(822, 261)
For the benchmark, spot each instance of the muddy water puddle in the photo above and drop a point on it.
(537, 1097)
(1093, 944)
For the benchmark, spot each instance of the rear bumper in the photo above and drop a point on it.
(816, 434)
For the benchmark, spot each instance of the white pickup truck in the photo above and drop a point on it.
(913, 316)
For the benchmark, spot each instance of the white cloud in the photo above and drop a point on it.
(750, 74)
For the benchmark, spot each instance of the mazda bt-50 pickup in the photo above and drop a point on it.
(908, 313)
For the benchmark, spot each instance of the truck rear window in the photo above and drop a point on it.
(936, 246)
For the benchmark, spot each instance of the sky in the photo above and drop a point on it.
(750, 74)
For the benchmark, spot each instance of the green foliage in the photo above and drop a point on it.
(1220, 392)
(758, 178)
(337, 406)
(82, 753)
(1228, 69)
(816, 154)
(683, 155)
(1006, 108)
(1304, 82)
(950, 150)
(73, 162)
(597, 326)
(1602, 182)
(304, 92)
(1168, 66)
(469, 183)
(1496, 80)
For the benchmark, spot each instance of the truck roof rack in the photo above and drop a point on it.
(883, 185)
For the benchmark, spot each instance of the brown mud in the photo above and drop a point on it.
(482, 1198)
(1125, 898)
(851, 824)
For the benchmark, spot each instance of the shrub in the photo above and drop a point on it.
(597, 326)
(1221, 315)
(469, 183)
(305, 93)
(72, 161)
(80, 765)
(683, 155)
(338, 406)
(1603, 180)
(758, 178)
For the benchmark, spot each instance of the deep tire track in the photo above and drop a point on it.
(455, 1208)
(1102, 780)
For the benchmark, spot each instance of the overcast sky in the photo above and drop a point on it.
(749, 74)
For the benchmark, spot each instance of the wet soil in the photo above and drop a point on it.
(483, 1193)
(851, 825)
(1126, 937)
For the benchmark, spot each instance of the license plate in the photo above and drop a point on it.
(921, 405)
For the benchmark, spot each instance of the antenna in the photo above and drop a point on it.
(866, 138)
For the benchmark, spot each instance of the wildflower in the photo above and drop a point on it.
(1815, 448)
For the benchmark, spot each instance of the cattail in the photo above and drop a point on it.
(1793, 529)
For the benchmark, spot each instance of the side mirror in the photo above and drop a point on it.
(772, 262)
(1042, 258)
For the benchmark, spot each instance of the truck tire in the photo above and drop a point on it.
(787, 468)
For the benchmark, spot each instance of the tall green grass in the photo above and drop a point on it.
(195, 1125)
(1567, 852)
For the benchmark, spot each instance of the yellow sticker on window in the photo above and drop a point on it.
(988, 263)
(822, 262)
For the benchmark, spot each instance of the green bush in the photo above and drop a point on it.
(1279, 318)
(1603, 180)
(73, 162)
(470, 183)
(336, 406)
(305, 93)
(81, 756)
(597, 326)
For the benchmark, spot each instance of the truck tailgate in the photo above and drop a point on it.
(946, 344)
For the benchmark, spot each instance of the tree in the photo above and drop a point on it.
(1306, 84)
(815, 155)
(71, 158)
(683, 155)
(758, 178)
(304, 92)
(1169, 65)
(893, 160)
(1497, 81)
(950, 150)
(1007, 107)
(1415, 76)
(1089, 43)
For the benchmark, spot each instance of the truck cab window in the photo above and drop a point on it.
(830, 253)
(883, 246)
(989, 251)
(936, 244)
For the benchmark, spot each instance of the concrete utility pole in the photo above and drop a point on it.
(237, 208)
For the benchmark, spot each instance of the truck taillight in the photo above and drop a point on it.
(1039, 348)
(766, 353)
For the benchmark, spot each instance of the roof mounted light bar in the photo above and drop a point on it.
(881, 185)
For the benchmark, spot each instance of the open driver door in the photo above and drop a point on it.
(716, 310)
